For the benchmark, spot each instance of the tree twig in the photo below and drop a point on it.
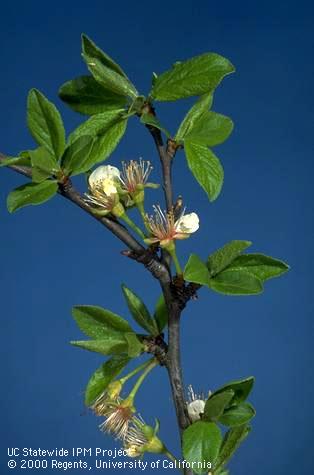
(67, 190)
(165, 160)
(174, 304)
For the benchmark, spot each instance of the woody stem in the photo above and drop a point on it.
(174, 307)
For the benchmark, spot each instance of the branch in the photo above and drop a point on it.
(67, 190)
(165, 156)
(155, 266)
(174, 301)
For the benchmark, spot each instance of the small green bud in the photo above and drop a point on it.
(155, 446)
(148, 431)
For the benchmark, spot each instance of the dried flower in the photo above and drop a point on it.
(195, 404)
(164, 228)
(117, 412)
(118, 417)
(142, 438)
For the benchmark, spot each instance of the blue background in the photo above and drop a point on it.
(54, 256)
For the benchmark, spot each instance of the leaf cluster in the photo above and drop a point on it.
(110, 334)
(203, 440)
(230, 272)
(110, 99)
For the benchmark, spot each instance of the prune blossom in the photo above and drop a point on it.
(135, 174)
(195, 404)
(103, 188)
(164, 228)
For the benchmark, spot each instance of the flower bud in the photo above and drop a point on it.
(155, 446)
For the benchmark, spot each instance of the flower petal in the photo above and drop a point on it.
(109, 187)
(188, 223)
(102, 173)
(195, 408)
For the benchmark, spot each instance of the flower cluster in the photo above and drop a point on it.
(121, 422)
(107, 185)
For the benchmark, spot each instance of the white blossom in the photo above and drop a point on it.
(104, 179)
(103, 187)
(164, 228)
(195, 404)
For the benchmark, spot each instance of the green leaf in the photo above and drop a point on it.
(224, 256)
(96, 322)
(150, 119)
(110, 79)
(154, 78)
(236, 282)
(196, 271)
(201, 442)
(205, 167)
(105, 70)
(105, 144)
(216, 404)
(86, 96)
(261, 266)
(76, 157)
(161, 313)
(135, 347)
(202, 105)
(21, 161)
(237, 415)
(45, 123)
(241, 389)
(193, 77)
(113, 343)
(96, 125)
(44, 165)
(89, 48)
(210, 129)
(231, 442)
(31, 194)
(139, 311)
(107, 129)
(103, 377)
